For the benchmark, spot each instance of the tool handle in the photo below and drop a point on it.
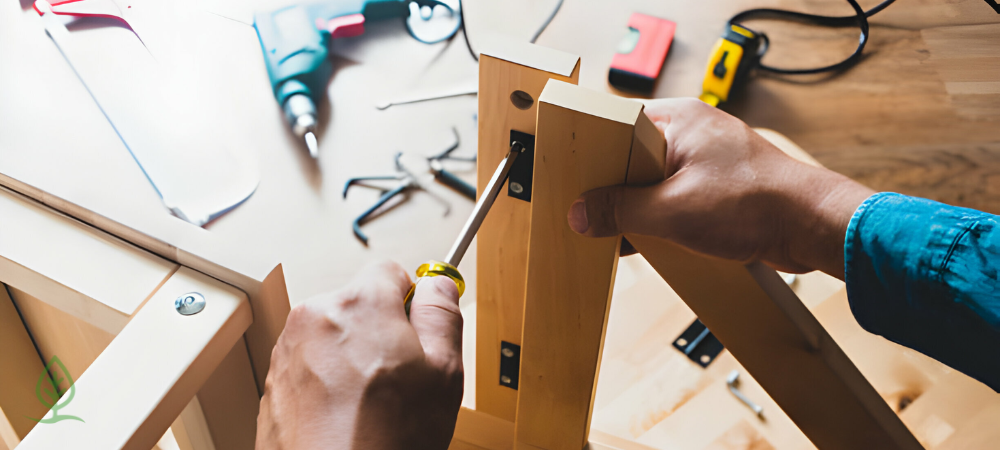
(434, 269)
(449, 179)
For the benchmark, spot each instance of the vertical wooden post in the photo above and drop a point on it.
(506, 67)
(583, 142)
(770, 332)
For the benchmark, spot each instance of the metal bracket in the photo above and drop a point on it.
(699, 344)
(510, 364)
(519, 180)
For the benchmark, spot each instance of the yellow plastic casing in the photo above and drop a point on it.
(716, 89)
(435, 269)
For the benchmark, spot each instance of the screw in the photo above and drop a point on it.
(504, 379)
(190, 303)
(507, 352)
(682, 342)
(516, 187)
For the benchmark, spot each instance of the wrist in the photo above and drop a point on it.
(827, 201)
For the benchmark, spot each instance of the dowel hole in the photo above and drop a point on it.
(521, 100)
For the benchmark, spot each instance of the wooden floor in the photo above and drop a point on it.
(919, 115)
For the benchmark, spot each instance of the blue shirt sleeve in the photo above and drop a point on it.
(925, 275)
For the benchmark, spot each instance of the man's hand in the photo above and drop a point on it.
(729, 193)
(350, 372)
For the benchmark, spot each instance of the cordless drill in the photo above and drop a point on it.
(295, 39)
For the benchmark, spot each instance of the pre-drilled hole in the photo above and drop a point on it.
(521, 99)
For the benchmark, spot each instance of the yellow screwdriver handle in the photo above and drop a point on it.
(434, 269)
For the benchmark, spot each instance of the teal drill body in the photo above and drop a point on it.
(295, 43)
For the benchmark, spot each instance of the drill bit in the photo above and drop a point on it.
(301, 115)
(312, 145)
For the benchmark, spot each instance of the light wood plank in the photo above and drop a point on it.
(483, 430)
(772, 334)
(583, 142)
(190, 428)
(477, 430)
(151, 370)
(502, 248)
(229, 401)
(8, 437)
(57, 333)
(85, 272)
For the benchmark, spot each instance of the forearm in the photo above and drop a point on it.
(925, 275)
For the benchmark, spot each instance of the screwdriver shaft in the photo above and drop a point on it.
(483, 206)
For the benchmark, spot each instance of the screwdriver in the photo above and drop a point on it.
(449, 267)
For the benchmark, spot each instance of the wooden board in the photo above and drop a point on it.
(87, 273)
(20, 367)
(114, 248)
(229, 401)
(480, 431)
(152, 369)
(56, 333)
(583, 142)
(771, 333)
(502, 241)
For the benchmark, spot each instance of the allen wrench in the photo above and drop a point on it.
(732, 381)
(447, 178)
(408, 182)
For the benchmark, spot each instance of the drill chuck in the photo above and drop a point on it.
(300, 112)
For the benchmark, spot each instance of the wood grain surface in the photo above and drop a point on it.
(504, 67)
(919, 115)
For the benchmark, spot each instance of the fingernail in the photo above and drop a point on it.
(444, 285)
(578, 216)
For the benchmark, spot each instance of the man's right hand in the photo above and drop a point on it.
(729, 193)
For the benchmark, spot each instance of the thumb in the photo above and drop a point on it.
(614, 210)
(435, 316)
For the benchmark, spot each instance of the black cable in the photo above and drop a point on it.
(860, 20)
(465, 34)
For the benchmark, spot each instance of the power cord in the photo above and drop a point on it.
(860, 20)
(548, 20)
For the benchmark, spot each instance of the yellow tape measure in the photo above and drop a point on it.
(731, 59)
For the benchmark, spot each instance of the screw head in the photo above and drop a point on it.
(504, 379)
(507, 352)
(516, 187)
(190, 303)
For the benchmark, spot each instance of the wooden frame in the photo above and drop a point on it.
(502, 249)
(586, 140)
(106, 307)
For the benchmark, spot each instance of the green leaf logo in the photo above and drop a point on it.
(48, 391)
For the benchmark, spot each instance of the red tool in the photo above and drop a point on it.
(641, 53)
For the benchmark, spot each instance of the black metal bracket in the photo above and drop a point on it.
(510, 364)
(699, 344)
(519, 179)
